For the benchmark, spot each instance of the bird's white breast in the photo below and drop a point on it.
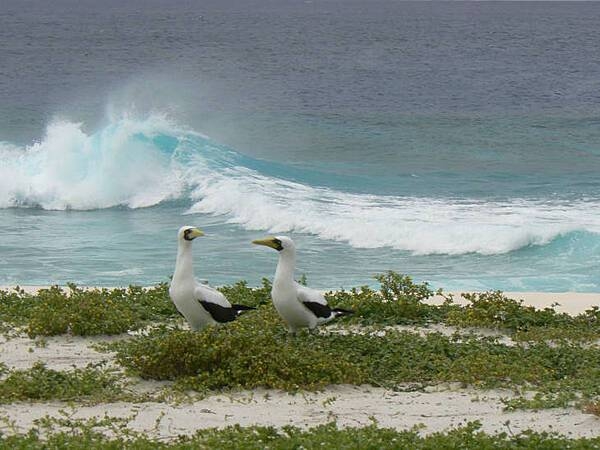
(183, 297)
(293, 312)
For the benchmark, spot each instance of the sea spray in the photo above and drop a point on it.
(69, 169)
(139, 163)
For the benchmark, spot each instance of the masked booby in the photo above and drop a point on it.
(298, 306)
(201, 305)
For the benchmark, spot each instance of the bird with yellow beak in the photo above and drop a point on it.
(298, 306)
(200, 304)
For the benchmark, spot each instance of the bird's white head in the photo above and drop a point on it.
(188, 233)
(282, 244)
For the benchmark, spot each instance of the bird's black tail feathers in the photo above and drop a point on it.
(342, 312)
(240, 309)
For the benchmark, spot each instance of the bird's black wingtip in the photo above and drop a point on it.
(241, 308)
(342, 312)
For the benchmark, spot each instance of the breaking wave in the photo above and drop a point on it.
(140, 163)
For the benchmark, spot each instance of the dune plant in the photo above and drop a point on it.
(86, 435)
(400, 301)
(526, 323)
(40, 383)
(257, 351)
(85, 312)
(241, 293)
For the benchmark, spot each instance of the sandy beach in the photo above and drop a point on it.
(436, 408)
(572, 303)
(347, 405)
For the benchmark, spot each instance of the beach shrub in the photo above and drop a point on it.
(86, 312)
(253, 351)
(256, 351)
(241, 293)
(41, 383)
(328, 436)
(399, 301)
(541, 400)
(495, 310)
(15, 308)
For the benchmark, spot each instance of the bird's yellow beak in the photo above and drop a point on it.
(268, 241)
(196, 232)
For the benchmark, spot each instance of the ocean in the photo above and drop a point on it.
(456, 142)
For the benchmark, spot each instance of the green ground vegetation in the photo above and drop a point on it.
(257, 351)
(39, 383)
(525, 323)
(89, 436)
(85, 312)
(551, 353)
(399, 301)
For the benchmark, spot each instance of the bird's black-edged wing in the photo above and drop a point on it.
(318, 309)
(224, 314)
(220, 313)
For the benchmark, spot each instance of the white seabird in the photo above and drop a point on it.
(201, 305)
(298, 306)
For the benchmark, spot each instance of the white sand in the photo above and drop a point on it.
(347, 405)
(57, 352)
(569, 302)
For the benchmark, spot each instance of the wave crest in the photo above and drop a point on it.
(120, 165)
(140, 163)
(422, 226)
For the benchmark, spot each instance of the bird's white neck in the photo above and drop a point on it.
(184, 269)
(285, 268)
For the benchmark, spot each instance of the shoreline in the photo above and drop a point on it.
(572, 303)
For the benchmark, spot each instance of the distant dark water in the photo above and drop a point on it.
(458, 142)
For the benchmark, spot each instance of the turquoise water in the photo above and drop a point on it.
(457, 143)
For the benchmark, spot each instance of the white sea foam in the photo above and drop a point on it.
(125, 164)
(122, 273)
(419, 225)
(70, 169)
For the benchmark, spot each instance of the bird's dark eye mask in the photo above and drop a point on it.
(278, 245)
